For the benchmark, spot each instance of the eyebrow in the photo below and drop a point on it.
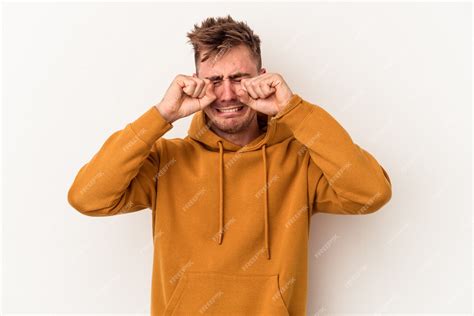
(236, 75)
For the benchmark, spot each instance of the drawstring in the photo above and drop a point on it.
(221, 197)
(221, 193)
(267, 248)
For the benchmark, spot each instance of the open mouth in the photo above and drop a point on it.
(230, 110)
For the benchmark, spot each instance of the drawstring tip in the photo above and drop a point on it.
(219, 240)
(268, 253)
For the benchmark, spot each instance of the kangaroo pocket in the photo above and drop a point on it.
(226, 294)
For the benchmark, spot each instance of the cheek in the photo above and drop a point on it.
(208, 111)
(218, 91)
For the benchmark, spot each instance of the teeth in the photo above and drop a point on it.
(229, 110)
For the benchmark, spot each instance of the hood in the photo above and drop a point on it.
(273, 133)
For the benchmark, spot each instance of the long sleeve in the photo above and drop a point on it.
(121, 177)
(352, 181)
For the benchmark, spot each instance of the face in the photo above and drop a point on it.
(226, 112)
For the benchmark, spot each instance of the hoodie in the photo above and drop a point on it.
(230, 223)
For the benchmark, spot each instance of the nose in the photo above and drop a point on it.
(228, 91)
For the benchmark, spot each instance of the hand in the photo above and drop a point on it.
(185, 96)
(267, 93)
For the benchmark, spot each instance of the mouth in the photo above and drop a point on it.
(229, 111)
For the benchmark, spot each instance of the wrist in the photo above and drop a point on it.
(167, 116)
(284, 105)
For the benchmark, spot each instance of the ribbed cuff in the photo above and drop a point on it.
(151, 126)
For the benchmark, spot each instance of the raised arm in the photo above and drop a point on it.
(352, 181)
(349, 179)
(121, 177)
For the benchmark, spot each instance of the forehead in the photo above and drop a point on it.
(236, 59)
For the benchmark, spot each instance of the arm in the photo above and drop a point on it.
(121, 176)
(352, 181)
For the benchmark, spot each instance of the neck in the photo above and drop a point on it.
(240, 138)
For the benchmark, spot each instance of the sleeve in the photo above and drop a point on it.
(351, 180)
(121, 177)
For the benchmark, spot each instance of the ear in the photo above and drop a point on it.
(262, 71)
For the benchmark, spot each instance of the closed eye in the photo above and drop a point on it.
(218, 82)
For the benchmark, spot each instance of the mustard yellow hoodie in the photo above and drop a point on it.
(231, 224)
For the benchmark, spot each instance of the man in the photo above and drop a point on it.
(232, 201)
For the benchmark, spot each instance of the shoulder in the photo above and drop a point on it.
(168, 148)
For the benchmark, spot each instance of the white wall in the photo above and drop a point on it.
(396, 76)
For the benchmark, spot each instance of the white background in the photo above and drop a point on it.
(396, 76)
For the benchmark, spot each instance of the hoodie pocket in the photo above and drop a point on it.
(226, 294)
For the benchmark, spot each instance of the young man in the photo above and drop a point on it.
(232, 201)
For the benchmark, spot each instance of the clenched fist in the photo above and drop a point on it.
(185, 96)
(267, 93)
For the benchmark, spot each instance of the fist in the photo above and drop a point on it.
(185, 96)
(267, 93)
